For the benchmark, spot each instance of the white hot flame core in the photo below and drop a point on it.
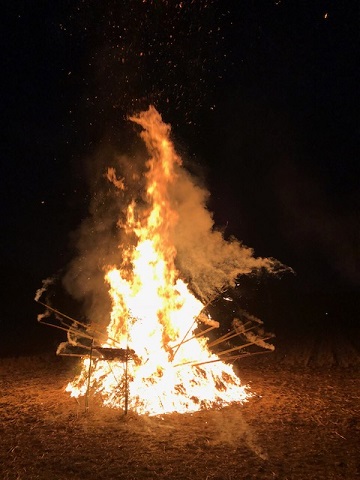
(153, 309)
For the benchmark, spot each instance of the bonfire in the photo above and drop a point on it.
(158, 352)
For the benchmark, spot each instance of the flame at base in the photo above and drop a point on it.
(181, 389)
(153, 308)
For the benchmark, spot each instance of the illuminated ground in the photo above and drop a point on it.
(303, 423)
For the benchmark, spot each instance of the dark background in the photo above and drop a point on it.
(263, 101)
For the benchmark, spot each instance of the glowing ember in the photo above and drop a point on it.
(153, 309)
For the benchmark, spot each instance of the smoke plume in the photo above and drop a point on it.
(203, 258)
(208, 261)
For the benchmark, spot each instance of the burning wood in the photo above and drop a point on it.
(156, 322)
(207, 320)
(99, 353)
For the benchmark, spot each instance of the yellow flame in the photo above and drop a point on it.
(153, 309)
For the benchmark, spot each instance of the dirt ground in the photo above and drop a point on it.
(303, 422)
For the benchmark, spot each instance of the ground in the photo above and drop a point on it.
(303, 422)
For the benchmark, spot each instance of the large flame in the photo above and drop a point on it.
(153, 310)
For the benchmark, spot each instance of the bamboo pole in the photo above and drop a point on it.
(233, 349)
(88, 382)
(200, 334)
(54, 326)
(71, 355)
(69, 329)
(183, 339)
(74, 321)
(187, 333)
(126, 382)
(60, 313)
(226, 359)
(240, 347)
(233, 333)
(126, 369)
(223, 338)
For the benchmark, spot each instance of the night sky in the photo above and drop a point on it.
(263, 102)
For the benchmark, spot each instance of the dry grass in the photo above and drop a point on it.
(301, 424)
